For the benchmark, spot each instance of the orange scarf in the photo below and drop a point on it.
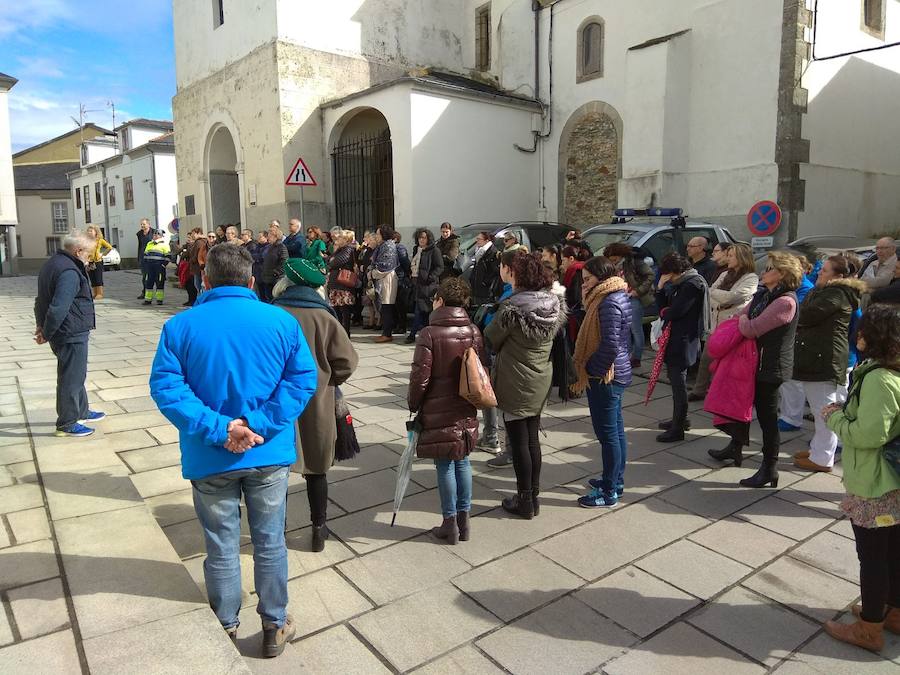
(589, 336)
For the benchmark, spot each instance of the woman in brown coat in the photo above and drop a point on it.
(449, 422)
(336, 360)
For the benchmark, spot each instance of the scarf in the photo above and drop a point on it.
(479, 252)
(384, 259)
(588, 341)
(705, 314)
(301, 296)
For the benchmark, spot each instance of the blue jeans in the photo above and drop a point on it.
(420, 321)
(637, 329)
(605, 403)
(217, 500)
(198, 282)
(454, 485)
(71, 372)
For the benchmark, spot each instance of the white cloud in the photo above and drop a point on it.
(38, 67)
(23, 15)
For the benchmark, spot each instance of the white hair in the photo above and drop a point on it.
(76, 239)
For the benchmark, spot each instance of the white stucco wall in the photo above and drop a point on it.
(852, 123)
(8, 214)
(166, 186)
(35, 213)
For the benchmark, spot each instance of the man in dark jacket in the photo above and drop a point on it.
(404, 286)
(889, 294)
(295, 241)
(706, 266)
(64, 317)
(144, 237)
(448, 245)
(485, 279)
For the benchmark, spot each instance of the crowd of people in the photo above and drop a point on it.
(558, 318)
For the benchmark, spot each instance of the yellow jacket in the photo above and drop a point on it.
(99, 243)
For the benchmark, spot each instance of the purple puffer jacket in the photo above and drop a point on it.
(735, 360)
(615, 339)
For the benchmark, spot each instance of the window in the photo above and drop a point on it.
(218, 8)
(873, 18)
(97, 194)
(483, 38)
(77, 198)
(54, 244)
(128, 191)
(189, 207)
(60, 217)
(87, 204)
(111, 196)
(84, 154)
(590, 50)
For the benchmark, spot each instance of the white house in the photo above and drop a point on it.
(8, 214)
(413, 113)
(130, 176)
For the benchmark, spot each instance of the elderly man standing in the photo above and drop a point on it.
(64, 317)
(295, 241)
(706, 266)
(236, 421)
(144, 237)
(880, 272)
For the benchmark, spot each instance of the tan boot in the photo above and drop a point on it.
(807, 464)
(891, 619)
(447, 530)
(862, 633)
(803, 454)
(94, 292)
(98, 292)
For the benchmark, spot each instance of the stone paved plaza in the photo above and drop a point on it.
(101, 552)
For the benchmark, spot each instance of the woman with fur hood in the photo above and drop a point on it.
(521, 335)
(821, 352)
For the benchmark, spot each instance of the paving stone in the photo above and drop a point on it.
(154, 457)
(370, 459)
(139, 403)
(516, 583)
(825, 507)
(100, 452)
(440, 619)
(566, 636)
(321, 599)
(53, 654)
(27, 563)
(131, 421)
(173, 507)
(649, 525)
(682, 650)
(337, 650)
(125, 392)
(741, 540)
(20, 497)
(164, 434)
(159, 481)
(19, 452)
(754, 625)
(785, 518)
(372, 434)
(826, 656)
(569, 435)
(463, 661)
(830, 552)
(403, 569)
(678, 564)
(4, 536)
(362, 492)
(844, 528)
(122, 572)
(825, 486)
(23, 472)
(807, 589)
(79, 493)
(40, 608)
(194, 643)
(6, 633)
(636, 600)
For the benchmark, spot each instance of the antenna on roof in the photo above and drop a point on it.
(112, 105)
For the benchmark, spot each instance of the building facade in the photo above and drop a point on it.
(8, 214)
(413, 113)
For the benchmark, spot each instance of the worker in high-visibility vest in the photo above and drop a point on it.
(156, 257)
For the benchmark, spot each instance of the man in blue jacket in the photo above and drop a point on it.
(236, 422)
(64, 317)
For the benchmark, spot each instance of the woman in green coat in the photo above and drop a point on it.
(315, 247)
(521, 335)
(868, 421)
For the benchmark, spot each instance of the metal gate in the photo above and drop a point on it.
(364, 183)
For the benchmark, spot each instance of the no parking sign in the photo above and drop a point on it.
(764, 218)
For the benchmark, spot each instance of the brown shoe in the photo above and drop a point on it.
(447, 530)
(891, 619)
(807, 464)
(862, 633)
(275, 638)
(803, 454)
(381, 339)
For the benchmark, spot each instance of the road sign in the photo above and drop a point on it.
(300, 175)
(762, 242)
(764, 218)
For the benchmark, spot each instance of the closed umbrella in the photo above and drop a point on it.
(658, 361)
(404, 469)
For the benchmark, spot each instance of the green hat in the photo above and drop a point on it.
(303, 272)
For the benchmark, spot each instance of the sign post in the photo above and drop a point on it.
(300, 175)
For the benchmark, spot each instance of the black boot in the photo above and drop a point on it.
(731, 452)
(319, 535)
(765, 476)
(665, 425)
(462, 523)
(535, 504)
(520, 504)
(673, 434)
(447, 530)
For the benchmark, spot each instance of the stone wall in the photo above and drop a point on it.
(591, 170)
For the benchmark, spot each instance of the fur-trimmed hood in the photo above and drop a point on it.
(854, 289)
(538, 314)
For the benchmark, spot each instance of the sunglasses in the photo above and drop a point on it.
(769, 269)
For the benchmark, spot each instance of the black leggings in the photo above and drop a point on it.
(387, 320)
(878, 549)
(522, 438)
(765, 400)
(345, 312)
(317, 491)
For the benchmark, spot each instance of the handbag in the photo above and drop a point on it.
(474, 383)
(347, 278)
(346, 445)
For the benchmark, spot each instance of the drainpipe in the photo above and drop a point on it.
(153, 187)
(105, 198)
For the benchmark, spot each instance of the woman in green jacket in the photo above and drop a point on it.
(869, 420)
(521, 335)
(315, 247)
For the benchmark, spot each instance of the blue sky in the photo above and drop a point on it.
(91, 51)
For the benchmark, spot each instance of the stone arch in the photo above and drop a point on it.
(223, 172)
(590, 164)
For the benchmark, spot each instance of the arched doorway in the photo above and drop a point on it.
(363, 170)
(224, 183)
(590, 153)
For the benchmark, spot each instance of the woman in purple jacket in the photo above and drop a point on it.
(603, 364)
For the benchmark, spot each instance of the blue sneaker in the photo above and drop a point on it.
(76, 429)
(784, 426)
(597, 499)
(597, 484)
(93, 416)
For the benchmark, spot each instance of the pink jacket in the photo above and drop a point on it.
(735, 360)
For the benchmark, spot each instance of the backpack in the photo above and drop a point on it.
(475, 383)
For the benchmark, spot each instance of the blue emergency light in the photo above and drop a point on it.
(655, 211)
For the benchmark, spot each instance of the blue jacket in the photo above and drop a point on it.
(615, 339)
(296, 245)
(64, 307)
(201, 383)
(805, 287)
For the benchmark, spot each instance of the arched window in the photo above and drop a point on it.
(590, 50)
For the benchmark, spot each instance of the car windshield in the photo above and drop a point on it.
(602, 237)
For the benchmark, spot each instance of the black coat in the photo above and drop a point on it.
(889, 294)
(431, 267)
(273, 262)
(342, 259)
(683, 304)
(708, 269)
(485, 278)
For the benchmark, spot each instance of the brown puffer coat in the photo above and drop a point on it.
(449, 422)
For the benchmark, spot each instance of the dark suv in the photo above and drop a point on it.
(534, 235)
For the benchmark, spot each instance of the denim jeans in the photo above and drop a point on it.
(490, 428)
(71, 372)
(637, 329)
(420, 321)
(217, 500)
(605, 404)
(678, 380)
(198, 282)
(454, 485)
